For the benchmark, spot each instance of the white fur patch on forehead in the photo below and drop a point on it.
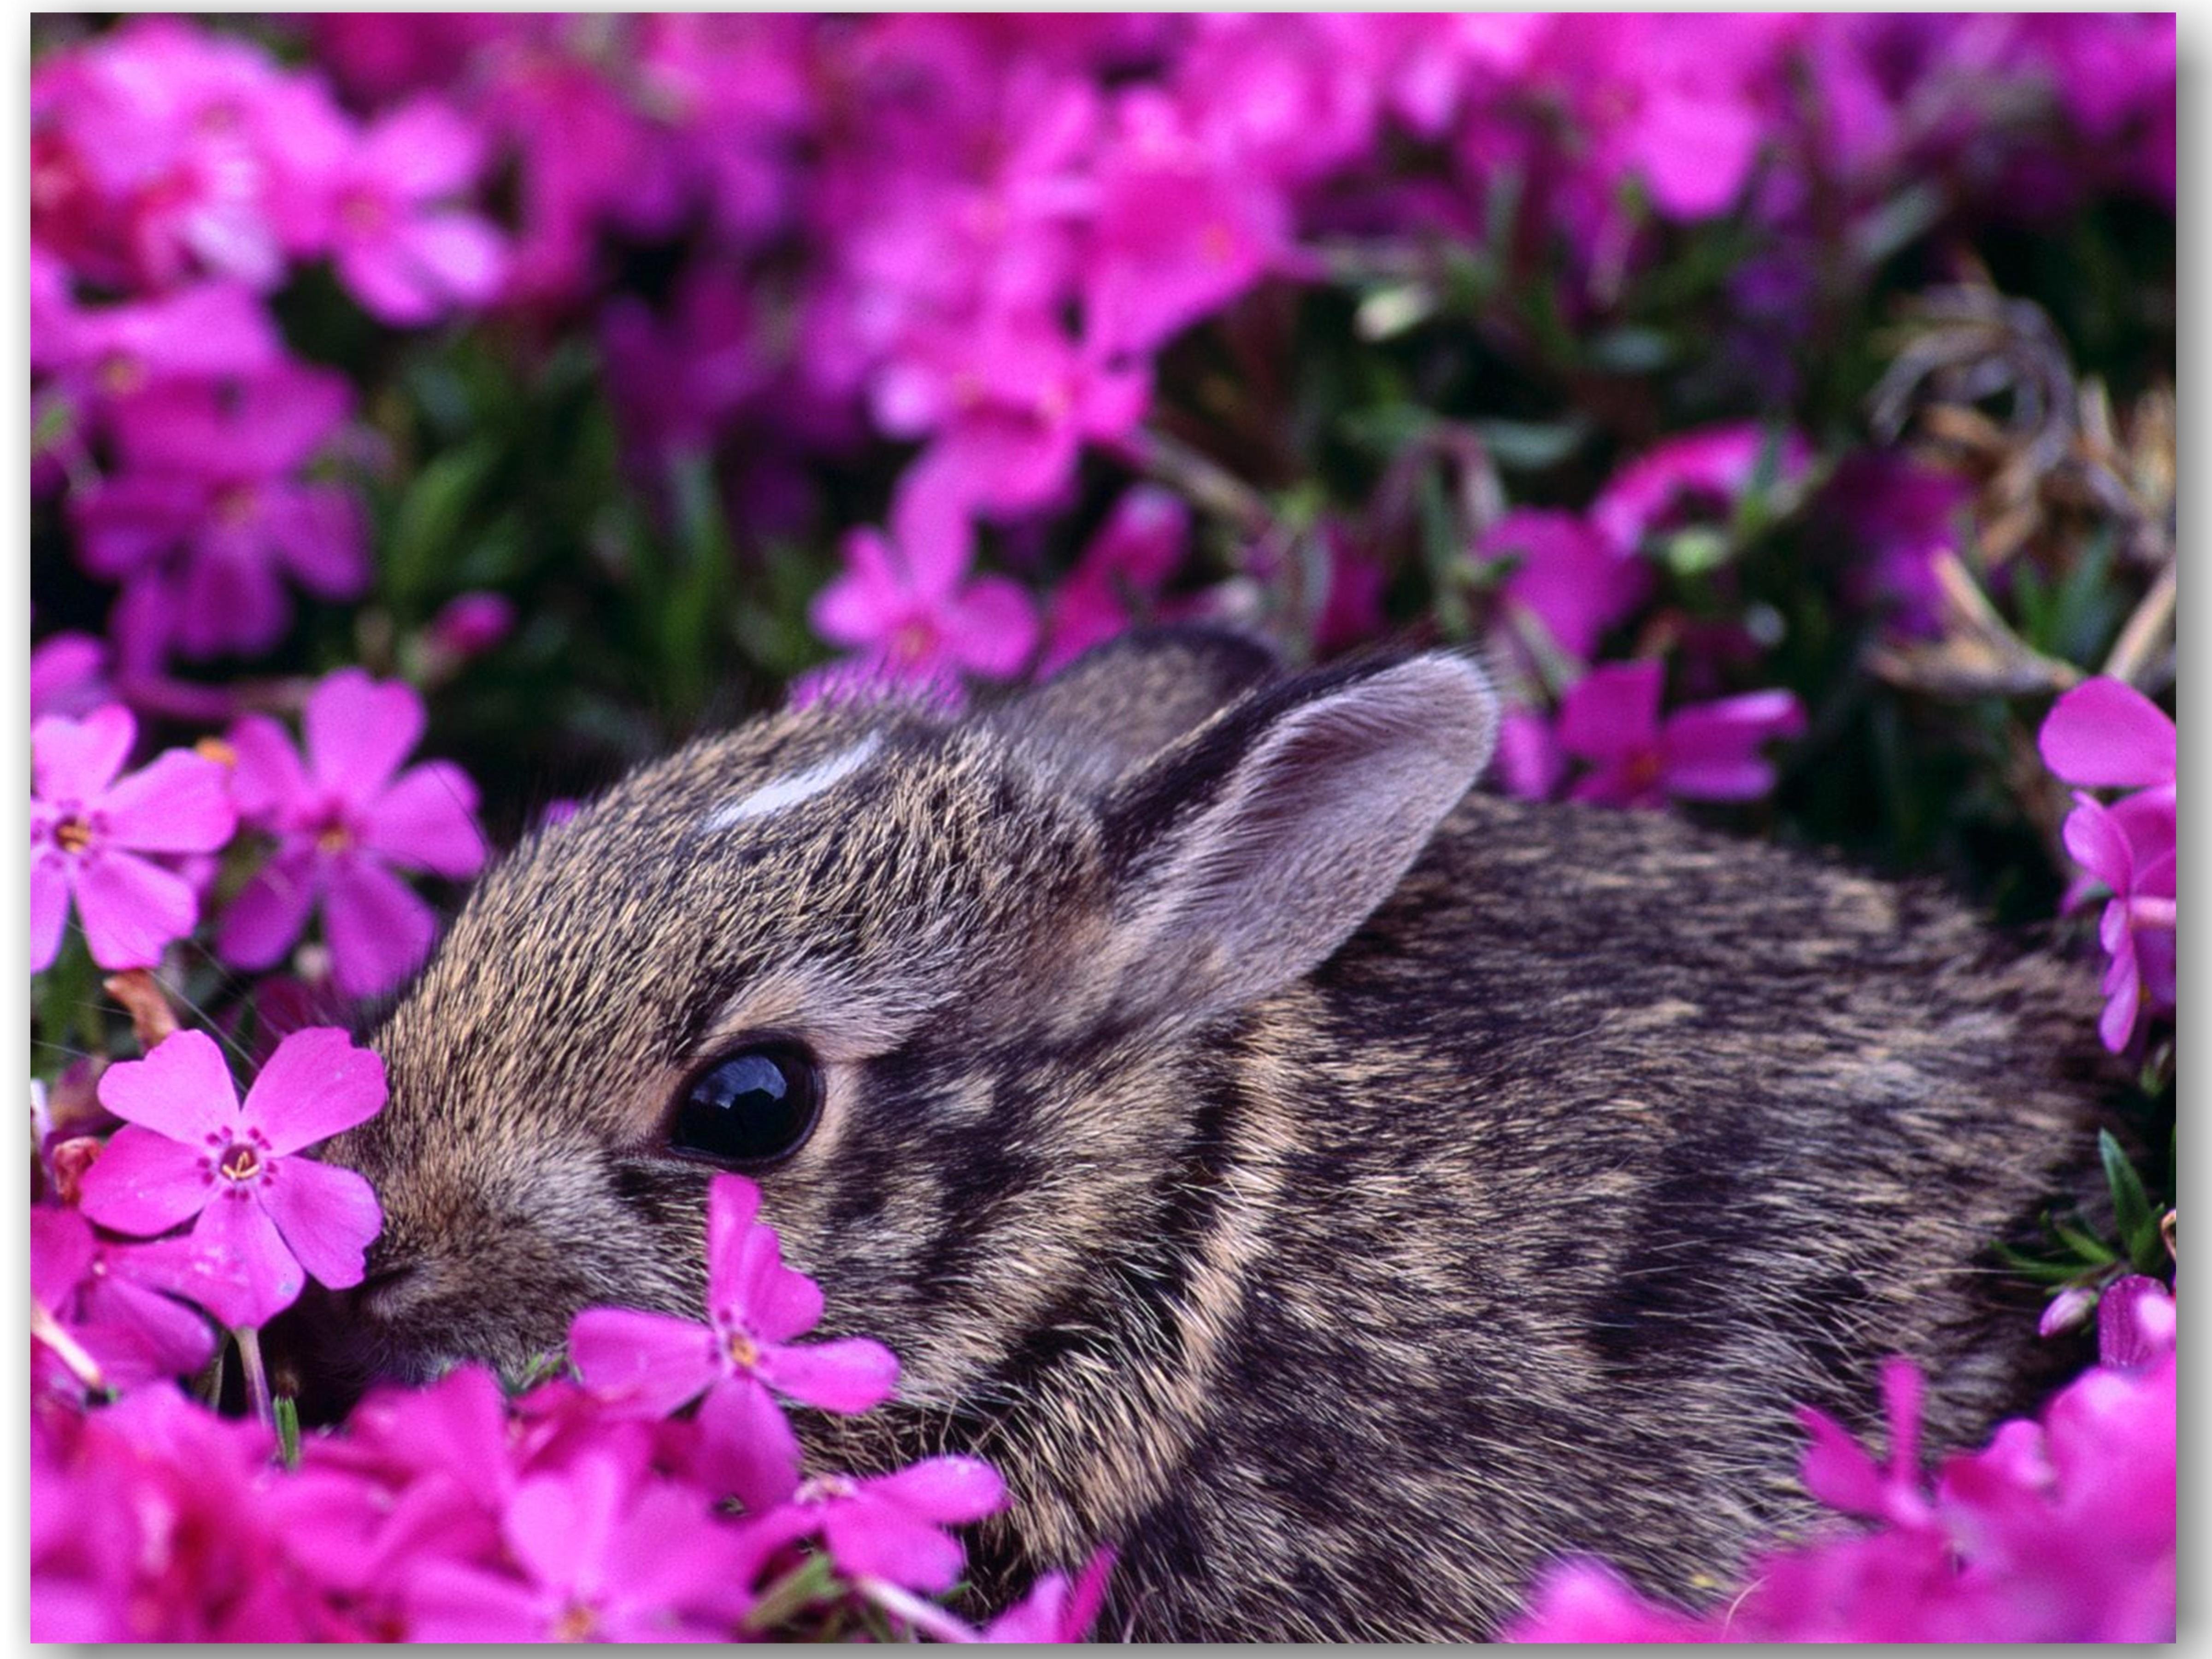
(800, 786)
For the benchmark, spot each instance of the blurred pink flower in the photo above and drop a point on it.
(405, 255)
(603, 1557)
(264, 1214)
(87, 827)
(1708, 751)
(2105, 734)
(1056, 1609)
(208, 330)
(470, 625)
(1708, 472)
(209, 476)
(2136, 1322)
(1122, 568)
(648, 1364)
(907, 601)
(68, 675)
(343, 823)
(1568, 578)
(92, 1290)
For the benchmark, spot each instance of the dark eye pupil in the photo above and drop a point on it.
(749, 1107)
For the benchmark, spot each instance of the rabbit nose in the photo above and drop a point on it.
(385, 1289)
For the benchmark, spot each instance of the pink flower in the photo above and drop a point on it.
(1056, 1609)
(1012, 400)
(2108, 735)
(208, 477)
(264, 1214)
(2134, 1323)
(129, 1330)
(68, 675)
(87, 827)
(1711, 471)
(649, 1364)
(1180, 229)
(343, 823)
(891, 1526)
(209, 330)
(1707, 752)
(603, 1557)
(907, 601)
(1567, 577)
(407, 259)
(1139, 546)
(470, 625)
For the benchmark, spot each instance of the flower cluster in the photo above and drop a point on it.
(2057, 1530)
(578, 1510)
(2105, 734)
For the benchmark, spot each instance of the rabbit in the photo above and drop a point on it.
(1342, 1190)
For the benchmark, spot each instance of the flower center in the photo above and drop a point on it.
(913, 641)
(121, 375)
(235, 504)
(1646, 770)
(333, 837)
(744, 1351)
(238, 1161)
(73, 835)
(362, 214)
(576, 1623)
(216, 749)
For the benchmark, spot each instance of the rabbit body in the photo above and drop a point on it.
(1342, 1191)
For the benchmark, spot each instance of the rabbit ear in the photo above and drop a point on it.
(1124, 702)
(1246, 853)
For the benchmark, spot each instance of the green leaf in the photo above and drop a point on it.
(288, 1429)
(2130, 1204)
(1531, 445)
(426, 529)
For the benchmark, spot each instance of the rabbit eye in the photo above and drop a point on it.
(751, 1106)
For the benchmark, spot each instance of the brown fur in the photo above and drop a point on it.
(1340, 1281)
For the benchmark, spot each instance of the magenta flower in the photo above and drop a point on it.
(1707, 752)
(343, 823)
(1122, 568)
(648, 1364)
(264, 1214)
(208, 477)
(1567, 578)
(1056, 1609)
(891, 1527)
(906, 600)
(68, 675)
(92, 1291)
(2105, 734)
(88, 828)
(603, 1557)
(406, 259)
(1707, 473)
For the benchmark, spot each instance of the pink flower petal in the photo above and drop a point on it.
(316, 530)
(131, 909)
(1613, 712)
(559, 1526)
(138, 1334)
(269, 911)
(448, 1601)
(746, 1445)
(268, 776)
(258, 1276)
(358, 732)
(61, 1253)
(992, 626)
(733, 1202)
(2099, 846)
(76, 760)
(460, 255)
(426, 820)
(379, 930)
(327, 1217)
(421, 150)
(850, 1374)
(50, 896)
(642, 1365)
(316, 1085)
(877, 1540)
(947, 1489)
(181, 1089)
(145, 1183)
(2107, 734)
(179, 804)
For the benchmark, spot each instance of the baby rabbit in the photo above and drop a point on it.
(1342, 1191)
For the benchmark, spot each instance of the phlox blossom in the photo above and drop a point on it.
(907, 601)
(88, 827)
(1122, 567)
(344, 822)
(406, 257)
(650, 1365)
(1718, 466)
(94, 1290)
(2105, 734)
(1566, 576)
(1708, 751)
(264, 1214)
(891, 1527)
